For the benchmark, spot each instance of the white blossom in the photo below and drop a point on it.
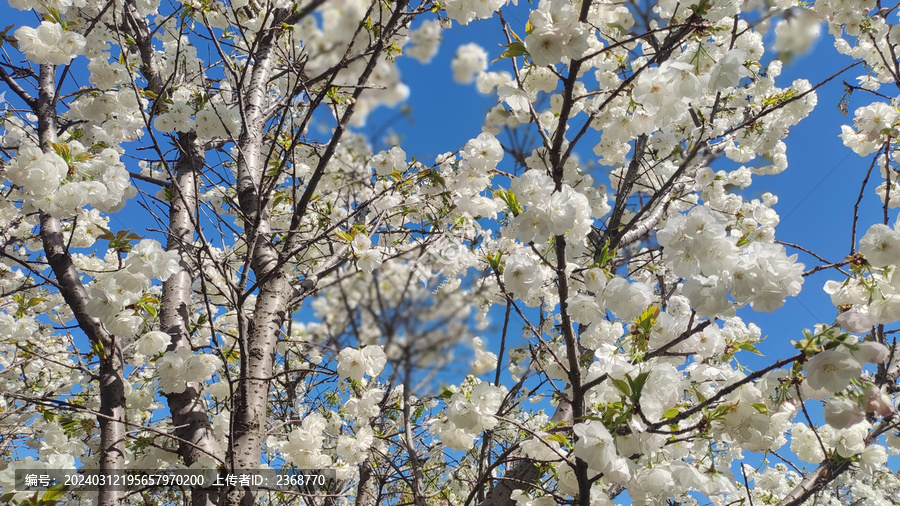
(831, 370)
(470, 60)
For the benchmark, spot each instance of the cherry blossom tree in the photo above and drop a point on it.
(207, 264)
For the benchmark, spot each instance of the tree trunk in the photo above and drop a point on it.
(258, 343)
(189, 411)
(526, 473)
(112, 384)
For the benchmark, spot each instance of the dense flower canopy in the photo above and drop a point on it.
(212, 261)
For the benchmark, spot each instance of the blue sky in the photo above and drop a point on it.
(816, 193)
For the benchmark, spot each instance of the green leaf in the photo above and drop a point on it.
(98, 349)
(121, 240)
(509, 198)
(700, 396)
(637, 384)
(513, 49)
(700, 8)
(63, 151)
(721, 411)
(8, 38)
(232, 355)
(762, 408)
(747, 346)
(647, 320)
(554, 425)
(670, 413)
(436, 179)
(494, 261)
(54, 493)
(150, 309)
(559, 438)
(445, 394)
(623, 386)
(279, 197)
(107, 234)
(54, 15)
(83, 157)
(605, 255)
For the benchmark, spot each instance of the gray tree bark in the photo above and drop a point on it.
(189, 411)
(108, 348)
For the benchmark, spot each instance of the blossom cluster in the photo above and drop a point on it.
(49, 43)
